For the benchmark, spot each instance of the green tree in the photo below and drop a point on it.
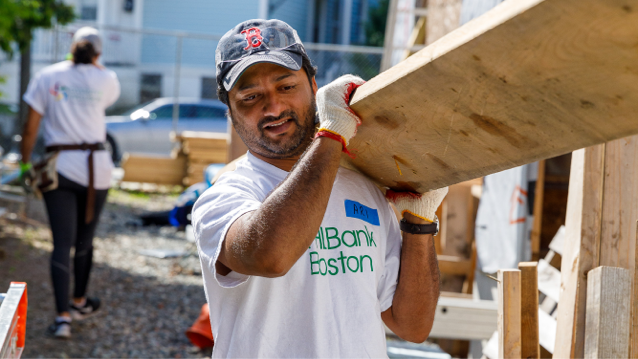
(18, 19)
(375, 26)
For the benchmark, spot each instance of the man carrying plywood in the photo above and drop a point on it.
(300, 257)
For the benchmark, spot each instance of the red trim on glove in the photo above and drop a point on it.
(393, 196)
(338, 138)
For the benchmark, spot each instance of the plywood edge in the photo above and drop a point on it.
(454, 40)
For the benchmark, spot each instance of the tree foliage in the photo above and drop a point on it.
(375, 27)
(18, 19)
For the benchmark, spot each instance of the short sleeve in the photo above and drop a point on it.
(36, 93)
(213, 214)
(388, 283)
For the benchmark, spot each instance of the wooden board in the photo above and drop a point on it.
(529, 80)
(582, 237)
(454, 265)
(601, 211)
(608, 312)
(548, 280)
(460, 318)
(530, 347)
(509, 313)
(538, 211)
(206, 156)
(153, 169)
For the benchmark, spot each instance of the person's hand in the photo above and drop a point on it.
(422, 205)
(337, 120)
(25, 169)
(27, 174)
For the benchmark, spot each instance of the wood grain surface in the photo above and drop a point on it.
(509, 313)
(529, 80)
(530, 347)
(608, 313)
(599, 230)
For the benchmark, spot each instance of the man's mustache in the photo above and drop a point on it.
(284, 114)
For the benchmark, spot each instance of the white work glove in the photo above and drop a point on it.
(422, 205)
(335, 116)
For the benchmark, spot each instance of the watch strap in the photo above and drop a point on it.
(430, 228)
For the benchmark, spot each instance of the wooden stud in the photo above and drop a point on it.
(538, 211)
(417, 37)
(633, 342)
(530, 347)
(454, 265)
(582, 238)
(608, 313)
(509, 313)
(601, 210)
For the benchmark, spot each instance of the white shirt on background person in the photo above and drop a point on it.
(72, 99)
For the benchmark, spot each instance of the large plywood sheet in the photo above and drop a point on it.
(531, 79)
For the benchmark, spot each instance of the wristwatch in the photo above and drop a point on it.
(431, 228)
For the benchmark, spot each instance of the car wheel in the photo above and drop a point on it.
(111, 147)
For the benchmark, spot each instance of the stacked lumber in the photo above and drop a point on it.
(200, 150)
(167, 170)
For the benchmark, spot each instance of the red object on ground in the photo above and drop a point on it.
(200, 333)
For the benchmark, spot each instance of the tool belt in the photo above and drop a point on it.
(47, 178)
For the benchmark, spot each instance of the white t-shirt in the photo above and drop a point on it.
(329, 304)
(72, 99)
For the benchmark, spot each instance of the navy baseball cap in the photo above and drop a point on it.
(256, 41)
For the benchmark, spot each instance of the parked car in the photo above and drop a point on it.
(147, 128)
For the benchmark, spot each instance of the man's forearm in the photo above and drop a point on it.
(270, 240)
(417, 292)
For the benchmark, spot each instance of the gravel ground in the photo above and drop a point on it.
(148, 302)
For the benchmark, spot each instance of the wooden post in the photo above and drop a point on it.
(599, 230)
(509, 313)
(530, 347)
(538, 211)
(608, 313)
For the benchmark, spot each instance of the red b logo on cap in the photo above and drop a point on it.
(253, 37)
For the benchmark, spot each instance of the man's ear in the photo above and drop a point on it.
(314, 86)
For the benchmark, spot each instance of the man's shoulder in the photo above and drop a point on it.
(352, 178)
(242, 178)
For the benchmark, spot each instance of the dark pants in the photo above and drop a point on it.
(66, 207)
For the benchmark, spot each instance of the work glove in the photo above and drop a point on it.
(25, 169)
(27, 175)
(422, 205)
(337, 120)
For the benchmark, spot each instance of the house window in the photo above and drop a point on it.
(150, 87)
(88, 12)
(209, 88)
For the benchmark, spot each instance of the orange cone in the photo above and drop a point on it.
(201, 334)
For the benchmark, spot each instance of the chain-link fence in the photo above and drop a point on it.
(158, 63)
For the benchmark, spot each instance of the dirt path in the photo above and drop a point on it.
(148, 303)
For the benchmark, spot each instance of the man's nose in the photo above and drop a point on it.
(273, 106)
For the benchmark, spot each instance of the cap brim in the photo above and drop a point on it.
(289, 60)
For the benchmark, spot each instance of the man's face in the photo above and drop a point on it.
(273, 110)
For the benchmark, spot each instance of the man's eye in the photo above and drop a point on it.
(288, 88)
(248, 98)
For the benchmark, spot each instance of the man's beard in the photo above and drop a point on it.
(293, 146)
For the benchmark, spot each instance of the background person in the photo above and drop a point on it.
(69, 98)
